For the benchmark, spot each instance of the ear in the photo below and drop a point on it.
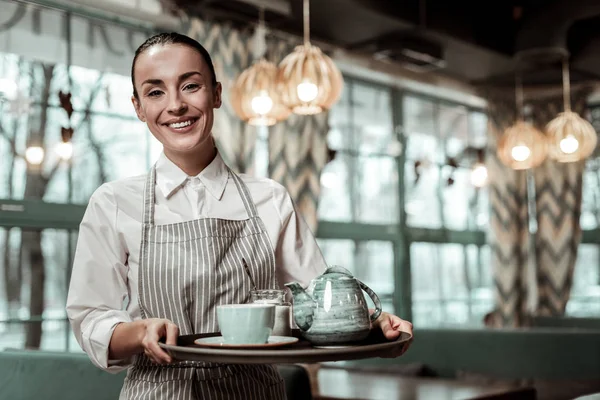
(138, 109)
(217, 98)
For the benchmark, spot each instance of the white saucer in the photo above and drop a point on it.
(219, 342)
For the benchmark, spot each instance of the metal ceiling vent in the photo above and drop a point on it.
(413, 52)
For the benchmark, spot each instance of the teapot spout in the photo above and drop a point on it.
(303, 307)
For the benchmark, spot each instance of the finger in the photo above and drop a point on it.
(151, 356)
(159, 354)
(388, 331)
(406, 326)
(172, 334)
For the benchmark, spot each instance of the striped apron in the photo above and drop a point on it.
(186, 270)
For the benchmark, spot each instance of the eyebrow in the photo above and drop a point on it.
(182, 77)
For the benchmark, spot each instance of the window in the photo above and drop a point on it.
(109, 143)
(361, 183)
(37, 263)
(363, 196)
(585, 292)
(450, 282)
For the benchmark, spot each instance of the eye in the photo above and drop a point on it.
(191, 86)
(154, 93)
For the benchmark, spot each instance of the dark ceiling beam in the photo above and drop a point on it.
(548, 28)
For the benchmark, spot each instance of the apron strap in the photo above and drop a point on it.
(244, 194)
(149, 197)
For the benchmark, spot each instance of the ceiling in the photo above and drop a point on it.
(474, 41)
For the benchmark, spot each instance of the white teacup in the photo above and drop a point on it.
(246, 323)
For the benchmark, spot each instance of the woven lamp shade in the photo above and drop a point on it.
(256, 95)
(571, 138)
(522, 146)
(320, 80)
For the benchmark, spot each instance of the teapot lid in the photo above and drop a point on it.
(335, 271)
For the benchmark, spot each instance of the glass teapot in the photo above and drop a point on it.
(333, 309)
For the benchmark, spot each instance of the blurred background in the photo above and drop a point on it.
(402, 174)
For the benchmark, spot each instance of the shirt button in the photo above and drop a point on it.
(195, 183)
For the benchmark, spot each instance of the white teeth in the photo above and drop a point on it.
(179, 125)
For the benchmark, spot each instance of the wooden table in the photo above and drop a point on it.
(338, 383)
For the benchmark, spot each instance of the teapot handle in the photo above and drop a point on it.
(375, 299)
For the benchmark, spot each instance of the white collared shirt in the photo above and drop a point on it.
(104, 283)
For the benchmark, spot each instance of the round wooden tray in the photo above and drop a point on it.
(375, 345)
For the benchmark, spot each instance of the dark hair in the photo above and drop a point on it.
(172, 38)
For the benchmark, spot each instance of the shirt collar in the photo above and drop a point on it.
(169, 177)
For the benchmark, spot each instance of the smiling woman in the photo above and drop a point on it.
(172, 242)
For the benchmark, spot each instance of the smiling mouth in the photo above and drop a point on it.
(182, 124)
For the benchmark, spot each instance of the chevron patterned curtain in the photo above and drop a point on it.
(558, 188)
(298, 149)
(297, 155)
(509, 233)
(533, 273)
(230, 52)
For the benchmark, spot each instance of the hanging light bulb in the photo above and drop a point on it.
(256, 97)
(256, 94)
(572, 138)
(34, 155)
(311, 82)
(569, 144)
(64, 150)
(520, 152)
(262, 103)
(522, 146)
(307, 91)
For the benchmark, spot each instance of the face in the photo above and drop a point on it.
(176, 97)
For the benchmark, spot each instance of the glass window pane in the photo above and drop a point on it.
(361, 183)
(586, 283)
(364, 124)
(421, 130)
(422, 201)
(359, 189)
(107, 134)
(465, 205)
(454, 129)
(107, 148)
(450, 284)
(36, 265)
(591, 195)
(478, 129)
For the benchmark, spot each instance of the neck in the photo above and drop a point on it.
(193, 163)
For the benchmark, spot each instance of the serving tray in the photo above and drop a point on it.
(375, 345)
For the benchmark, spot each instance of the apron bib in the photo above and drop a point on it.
(186, 270)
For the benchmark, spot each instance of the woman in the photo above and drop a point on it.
(157, 253)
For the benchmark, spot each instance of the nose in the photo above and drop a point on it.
(176, 105)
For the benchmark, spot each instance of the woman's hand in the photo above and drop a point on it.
(391, 326)
(130, 338)
(156, 329)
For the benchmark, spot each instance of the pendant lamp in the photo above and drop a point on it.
(571, 137)
(310, 81)
(522, 146)
(256, 93)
